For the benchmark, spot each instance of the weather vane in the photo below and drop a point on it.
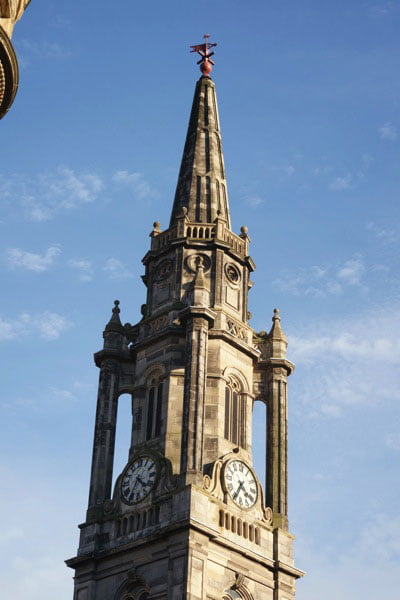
(203, 49)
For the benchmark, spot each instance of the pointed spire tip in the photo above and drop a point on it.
(114, 324)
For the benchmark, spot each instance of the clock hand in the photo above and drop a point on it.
(235, 495)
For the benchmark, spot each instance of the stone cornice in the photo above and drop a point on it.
(268, 363)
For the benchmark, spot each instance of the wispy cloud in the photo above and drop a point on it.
(341, 183)
(352, 271)
(388, 132)
(289, 170)
(254, 201)
(384, 9)
(63, 189)
(116, 269)
(321, 171)
(83, 267)
(29, 49)
(388, 234)
(393, 441)
(141, 188)
(337, 356)
(48, 194)
(10, 534)
(21, 259)
(338, 181)
(375, 544)
(47, 325)
(319, 281)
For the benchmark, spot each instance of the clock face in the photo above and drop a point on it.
(138, 479)
(240, 483)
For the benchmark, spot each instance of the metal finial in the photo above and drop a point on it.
(116, 310)
(203, 49)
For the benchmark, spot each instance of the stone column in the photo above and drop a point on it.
(276, 369)
(193, 396)
(197, 319)
(104, 435)
(108, 360)
(276, 463)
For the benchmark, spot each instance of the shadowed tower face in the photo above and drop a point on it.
(187, 517)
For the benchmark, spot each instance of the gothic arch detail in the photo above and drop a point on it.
(154, 371)
(135, 588)
(232, 372)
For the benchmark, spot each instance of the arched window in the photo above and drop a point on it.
(238, 590)
(133, 590)
(133, 595)
(234, 413)
(154, 408)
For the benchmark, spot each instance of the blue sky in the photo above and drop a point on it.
(309, 103)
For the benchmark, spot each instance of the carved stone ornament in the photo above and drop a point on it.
(192, 262)
(213, 484)
(164, 270)
(236, 329)
(240, 587)
(232, 273)
(239, 581)
(157, 324)
(108, 507)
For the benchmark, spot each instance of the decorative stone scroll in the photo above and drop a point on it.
(157, 324)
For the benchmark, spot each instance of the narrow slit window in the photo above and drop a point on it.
(227, 411)
(234, 414)
(154, 410)
(157, 429)
(235, 419)
(150, 412)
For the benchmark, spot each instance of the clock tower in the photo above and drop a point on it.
(188, 517)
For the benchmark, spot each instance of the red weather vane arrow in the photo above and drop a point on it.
(203, 49)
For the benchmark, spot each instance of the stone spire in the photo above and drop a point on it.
(201, 186)
(114, 324)
(113, 334)
(276, 339)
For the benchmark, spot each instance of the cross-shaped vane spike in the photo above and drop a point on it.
(203, 49)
